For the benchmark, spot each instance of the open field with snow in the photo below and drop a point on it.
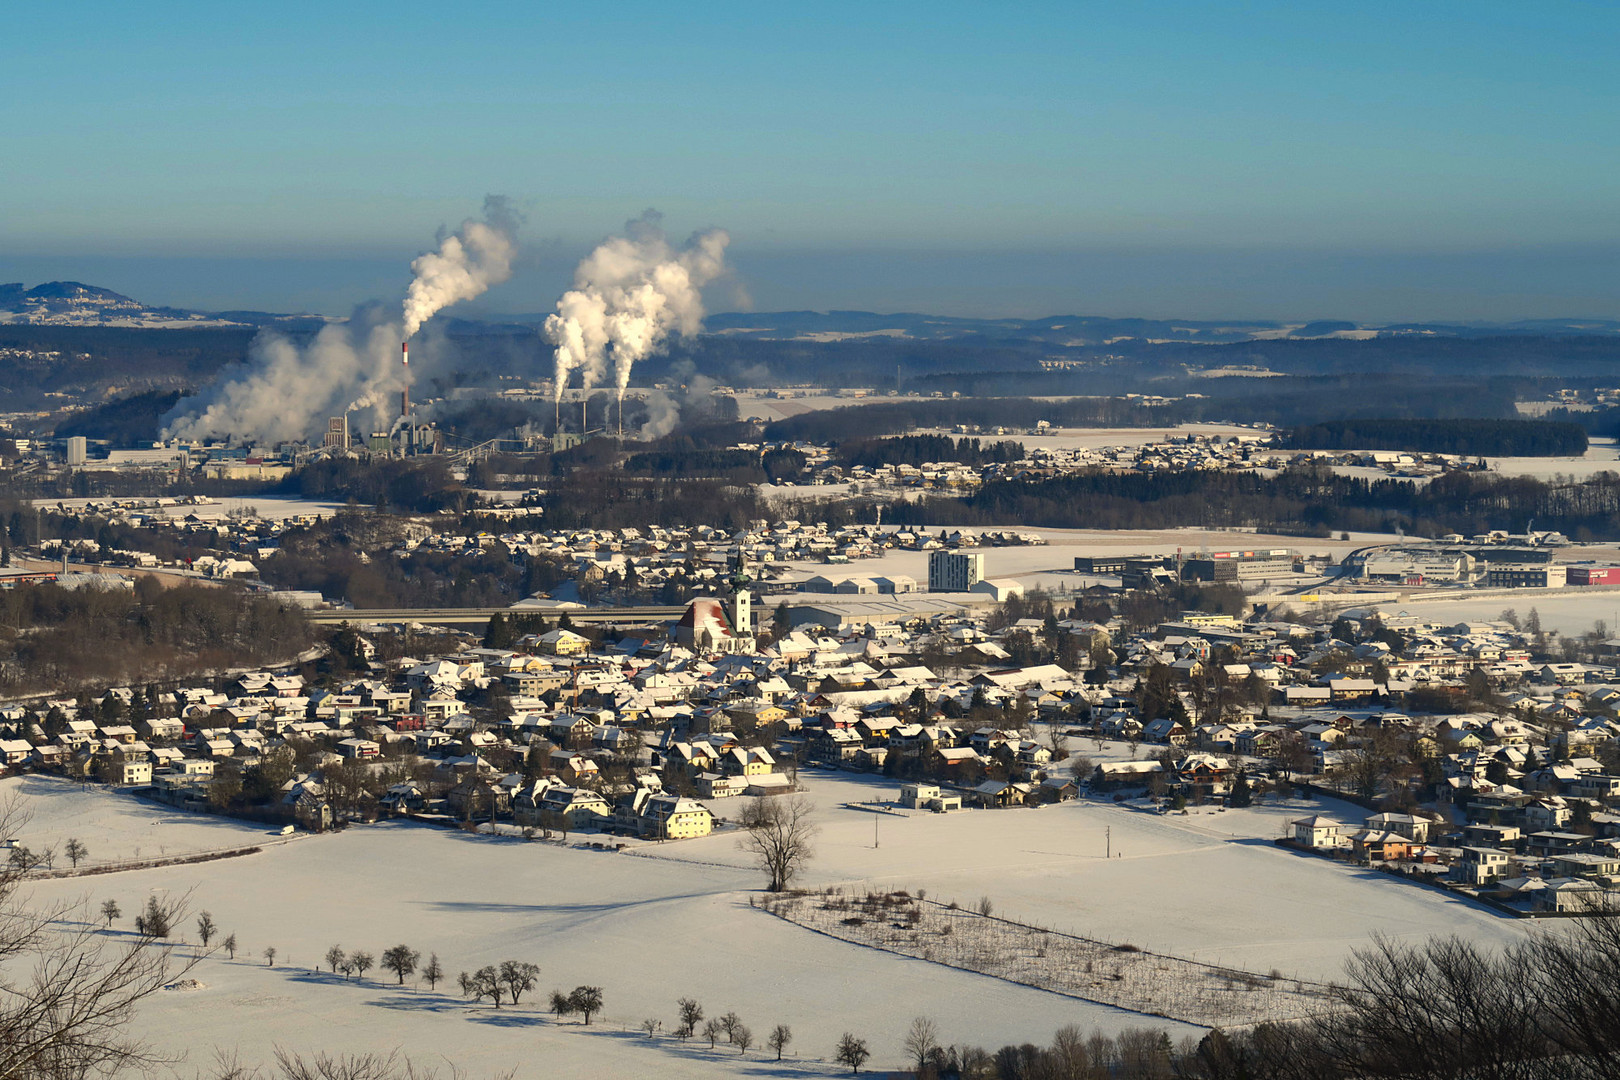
(1571, 613)
(676, 921)
(1051, 565)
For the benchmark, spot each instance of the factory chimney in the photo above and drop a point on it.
(405, 394)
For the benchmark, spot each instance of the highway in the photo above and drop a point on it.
(624, 616)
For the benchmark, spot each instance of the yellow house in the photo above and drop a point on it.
(563, 643)
(670, 817)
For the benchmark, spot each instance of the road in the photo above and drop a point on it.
(624, 616)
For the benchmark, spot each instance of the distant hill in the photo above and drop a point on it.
(73, 303)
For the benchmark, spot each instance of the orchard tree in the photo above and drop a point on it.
(401, 960)
(779, 1038)
(852, 1052)
(336, 958)
(110, 911)
(361, 961)
(691, 1013)
(270, 956)
(433, 972)
(587, 1000)
(518, 978)
(76, 851)
(229, 945)
(206, 928)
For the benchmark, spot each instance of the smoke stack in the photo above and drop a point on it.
(584, 421)
(405, 394)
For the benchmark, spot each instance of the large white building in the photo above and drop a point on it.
(955, 571)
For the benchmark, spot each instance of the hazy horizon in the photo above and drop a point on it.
(1368, 288)
(1381, 162)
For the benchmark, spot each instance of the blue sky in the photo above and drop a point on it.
(1371, 160)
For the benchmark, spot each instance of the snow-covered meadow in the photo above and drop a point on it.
(675, 921)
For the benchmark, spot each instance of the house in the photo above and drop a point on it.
(1318, 833)
(130, 772)
(1375, 846)
(1415, 829)
(1479, 866)
(928, 797)
(670, 817)
(359, 749)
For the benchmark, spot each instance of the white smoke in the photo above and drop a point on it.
(629, 295)
(285, 391)
(475, 257)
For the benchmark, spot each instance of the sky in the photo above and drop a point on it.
(1373, 161)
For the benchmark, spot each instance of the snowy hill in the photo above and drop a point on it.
(73, 303)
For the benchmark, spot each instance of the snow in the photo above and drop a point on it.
(677, 922)
(1572, 612)
(1051, 565)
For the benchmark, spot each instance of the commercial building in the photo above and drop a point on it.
(77, 450)
(1100, 564)
(1232, 566)
(1593, 575)
(955, 571)
(1548, 576)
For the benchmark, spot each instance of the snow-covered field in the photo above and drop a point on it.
(1052, 565)
(1572, 613)
(676, 922)
(1601, 455)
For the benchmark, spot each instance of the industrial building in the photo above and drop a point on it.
(1232, 566)
(1410, 566)
(1593, 575)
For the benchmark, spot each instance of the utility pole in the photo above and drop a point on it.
(1108, 835)
(875, 817)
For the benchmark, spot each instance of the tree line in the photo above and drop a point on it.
(1473, 438)
(53, 638)
(1306, 500)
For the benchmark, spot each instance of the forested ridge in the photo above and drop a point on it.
(1473, 438)
(1304, 500)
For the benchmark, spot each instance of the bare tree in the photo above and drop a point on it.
(156, 919)
(270, 956)
(690, 1012)
(361, 961)
(852, 1052)
(779, 836)
(483, 983)
(110, 911)
(336, 958)
(742, 1038)
(651, 1026)
(729, 1024)
(67, 991)
(433, 972)
(76, 851)
(401, 960)
(587, 1000)
(206, 928)
(561, 1004)
(922, 1039)
(229, 945)
(712, 1032)
(518, 978)
(779, 1038)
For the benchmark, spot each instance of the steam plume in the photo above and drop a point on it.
(284, 391)
(468, 262)
(629, 295)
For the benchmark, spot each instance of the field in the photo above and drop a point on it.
(675, 920)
